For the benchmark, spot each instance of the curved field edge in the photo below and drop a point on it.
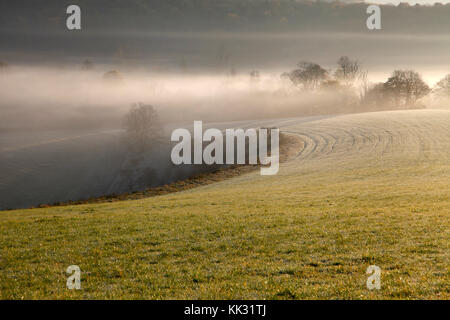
(368, 189)
(290, 147)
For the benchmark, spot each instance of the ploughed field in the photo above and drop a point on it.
(366, 189)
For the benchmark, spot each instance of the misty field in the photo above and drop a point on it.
(367, 189)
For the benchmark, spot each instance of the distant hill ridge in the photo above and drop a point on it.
(226, 16)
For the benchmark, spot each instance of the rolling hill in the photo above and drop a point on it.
(367, 189)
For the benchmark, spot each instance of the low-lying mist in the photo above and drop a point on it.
(62, 129)
(53, 98)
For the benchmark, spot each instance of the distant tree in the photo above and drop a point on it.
(223, 57)
(3, 65)
(87, 65)
(406, 87)
(254, 75)
(309, 75)
(363, 85)
(348, 70)
(331, 84)
(285, 76)
(113, 76)
(376, 95)
(344, 97)
(142, 126)
(442, 88)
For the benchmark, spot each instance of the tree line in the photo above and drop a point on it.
(219, 15)
(403, 89)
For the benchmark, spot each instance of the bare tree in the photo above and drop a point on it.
(406, 87)
(223, 57)
(364, 85)
(142, 126)
(442, 88)
(87, 65)
(254, 75)
(331, 84)
(309, 75)
(113, 76)
(377, 96)
(348, 70)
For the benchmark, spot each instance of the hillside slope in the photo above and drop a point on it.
(367, 189)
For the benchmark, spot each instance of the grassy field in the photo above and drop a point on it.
(367, 189)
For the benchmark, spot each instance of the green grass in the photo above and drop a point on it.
(309, 232)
